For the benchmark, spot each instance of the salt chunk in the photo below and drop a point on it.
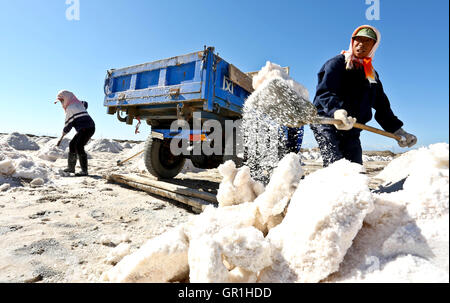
(245, 248)
(37, 182)
(7, 167)
(5, 187)
(28, 169)
(205, 262)
(278, 192)
(212, 220)
(117, 253)
(325, 214)
(240, 275)
(161, 259)
(237, 186)
(51, 152)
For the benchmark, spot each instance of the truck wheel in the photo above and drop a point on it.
(159, 161)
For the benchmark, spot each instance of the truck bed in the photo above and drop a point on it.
(166, 89)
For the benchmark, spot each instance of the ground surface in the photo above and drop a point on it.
(62, 232)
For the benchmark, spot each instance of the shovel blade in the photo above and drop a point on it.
(277, 100)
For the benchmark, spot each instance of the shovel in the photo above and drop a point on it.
(282, 104)
(120, 163)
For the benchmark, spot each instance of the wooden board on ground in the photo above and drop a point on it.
(198, 200)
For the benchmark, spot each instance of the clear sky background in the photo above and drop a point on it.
(41, 52)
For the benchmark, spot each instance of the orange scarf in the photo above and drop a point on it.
(366, 63)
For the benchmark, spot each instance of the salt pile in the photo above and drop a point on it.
(20, 142)
(19, 158)
(28, 169)
(23, 167)
(406, 237)
(51, 152)
(105, 146)
(327, 227)
(324, 215)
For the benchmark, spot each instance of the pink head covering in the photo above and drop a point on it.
(350, 58)
(66, 98)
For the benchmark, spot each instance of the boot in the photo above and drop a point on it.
(84, 165)
(71, 162)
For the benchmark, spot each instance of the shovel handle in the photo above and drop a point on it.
(119, 163)
(324, 120)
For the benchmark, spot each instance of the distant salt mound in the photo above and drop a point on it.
(367, 158)
(20, 142)
(104, 146)
(43, 140)
(311, 155)
(126, 145)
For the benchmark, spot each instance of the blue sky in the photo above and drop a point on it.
(42, 52)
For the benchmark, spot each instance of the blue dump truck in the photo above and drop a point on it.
(176, 96)
(194, 88)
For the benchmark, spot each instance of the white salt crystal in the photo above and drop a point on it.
(325, 214)
(161, 259)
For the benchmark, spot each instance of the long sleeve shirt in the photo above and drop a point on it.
(339, 88)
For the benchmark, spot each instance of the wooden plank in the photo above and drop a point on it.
(239, 78)
(178, 189)
(193, 202)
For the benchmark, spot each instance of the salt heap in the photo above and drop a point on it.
(161, 259)
(334, 229)
(224, 244)
(20, 142)
(51, 152)
(324, 215)
(406, 237)
(28, 169)
(104, 145)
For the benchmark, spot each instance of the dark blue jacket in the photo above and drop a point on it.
(340, 88)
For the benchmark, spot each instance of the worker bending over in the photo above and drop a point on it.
(78, 118)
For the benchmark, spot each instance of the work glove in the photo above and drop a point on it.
(348, 122)
(407, 140)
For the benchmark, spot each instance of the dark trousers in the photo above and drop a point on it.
(80, 140)
(335, 145)
(294, 138)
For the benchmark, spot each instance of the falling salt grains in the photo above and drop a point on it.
(263, 137)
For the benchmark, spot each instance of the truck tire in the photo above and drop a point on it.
(159, 161)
